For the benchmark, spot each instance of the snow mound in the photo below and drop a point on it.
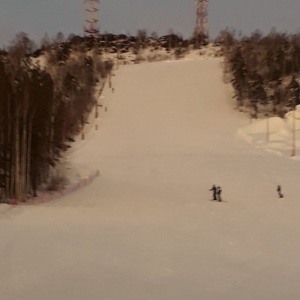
(276, 124)
(291, 115)
(273, 134)
(77, 176)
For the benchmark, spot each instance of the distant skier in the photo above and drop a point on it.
(219, 192)
(280, 195)
(214, 192)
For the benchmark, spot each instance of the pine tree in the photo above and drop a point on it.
(239, 73)
(256, 92)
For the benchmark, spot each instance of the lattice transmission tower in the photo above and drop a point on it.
(201, 28)
(91, 26)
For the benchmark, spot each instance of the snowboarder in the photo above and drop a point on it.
(280, 195)
(214, 192)
(219, 191)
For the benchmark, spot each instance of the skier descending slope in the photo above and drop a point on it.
(219, 192)
(214, 192)
(280, 195)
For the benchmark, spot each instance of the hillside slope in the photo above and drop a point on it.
(146, 228)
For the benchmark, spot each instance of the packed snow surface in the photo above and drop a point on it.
(146, 228)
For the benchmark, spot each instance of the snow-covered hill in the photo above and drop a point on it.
(146, 228)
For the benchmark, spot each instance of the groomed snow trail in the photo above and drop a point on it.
(146, 229)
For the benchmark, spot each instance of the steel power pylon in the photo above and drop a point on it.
(91, 26)
(201, 28)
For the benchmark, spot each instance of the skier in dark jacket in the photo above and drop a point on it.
(280, 195)
(219, 191)
(214, 192)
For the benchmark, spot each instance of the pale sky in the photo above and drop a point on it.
(36, 17)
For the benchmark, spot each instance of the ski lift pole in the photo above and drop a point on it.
(294, 134)
(268, 128)
(294, 129)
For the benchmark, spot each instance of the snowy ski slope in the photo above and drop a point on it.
(146, 228)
